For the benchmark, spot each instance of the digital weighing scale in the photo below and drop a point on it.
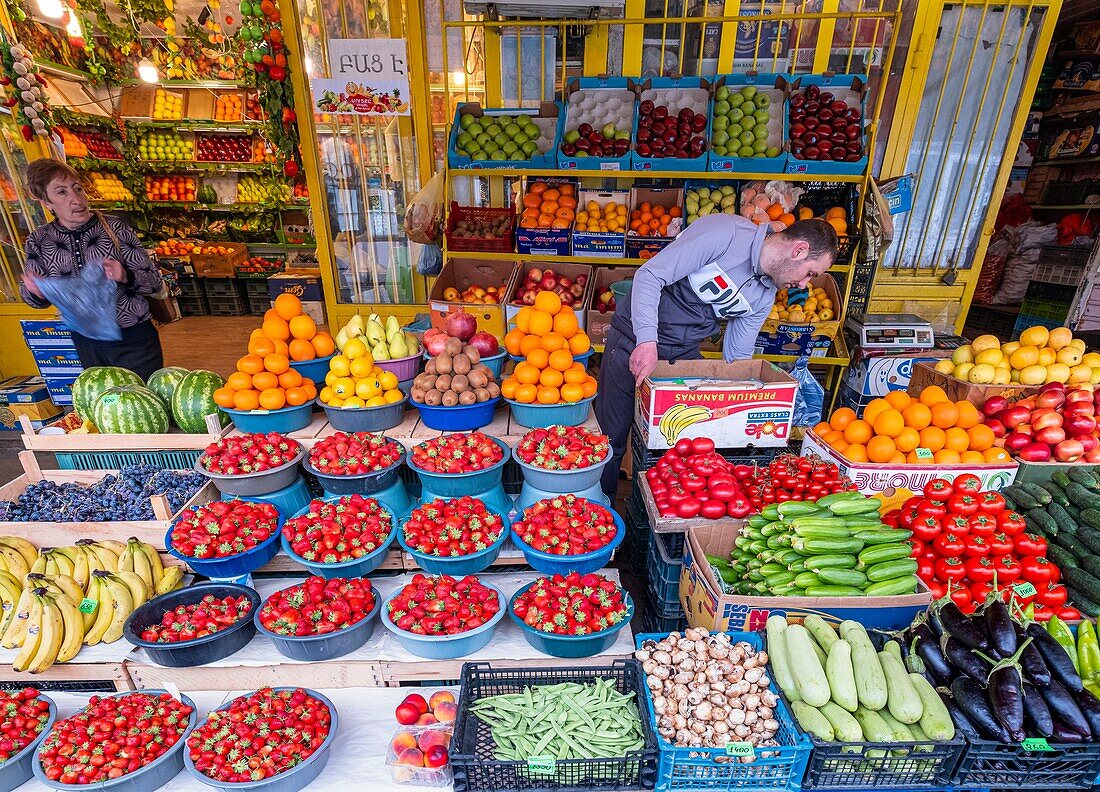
(891, 331)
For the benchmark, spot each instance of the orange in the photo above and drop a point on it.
(551, 378)
(575, 373)
(898, 458)
(565, 324)
(840, 444)
(856, 452)
(874, 409)
(223, 397)
(579, 343)
(541, 322)
(996, 455)
(821, 428)
(276, 363)
(917, 415)
(968, 415)
(276, 328)
(273, 399)
(945, 456)
(589, 387)
(548, 302)
(549, 395)
(508, 388)
(908, 440)
(288, 306)
(889, 424)
(525, 394)
(932, 394)
(300, 349)
(323, 344)
(944, 414)
(932, 438)
(290, 379)
(552, 342)
(880, 449)
(246, 400)
(271, 313)
(842, 417)
(251, 364)
(561, 360)
(264, 381)
(281, 347)
(523, 319)
(858, 432)
(956, 439)
(239, 381)
(538, 358)
(899, 400)
(512, 341)
(261, 346)
(309, 388)
(834, 437)
(296, 396)
(972, 458)
(303, 327)
(529, 344)
(526, 374)
(981, 437)
(572, 393)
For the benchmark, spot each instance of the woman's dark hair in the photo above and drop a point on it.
(819, 235)
(41, 172)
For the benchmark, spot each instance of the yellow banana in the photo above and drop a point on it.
(95, 561)
(74, 628)
(10, 592)
(172, 580)
(126, 558)
(21, 546)
(66, 585)
(153, 558)
(123, 607)
(17, 626)
(108, 558)
(33, 636)
(79, 559)
(51, 564)
(65, 565)
(140, 592)
(114, 546)
(39, 565)
(3, 564)
(53, 631)
(93, 594)
(104, 614)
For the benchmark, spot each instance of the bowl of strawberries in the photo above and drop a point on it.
(441, 618)
(319, 619)
(456, 536)
(461, 463)
(564, 533)
(226, 539)
(251, 464)
(340, 536)
(346, 463)
(562, 458)
(27, 716)
(571, 615)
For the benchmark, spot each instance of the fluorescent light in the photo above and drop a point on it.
(147, 71)
(52, 9)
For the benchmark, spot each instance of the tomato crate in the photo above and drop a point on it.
(503, 244)
(644, 458)
(1009, 766)
(635, 547)
(472, 748)
(663, 565)
(774, 769)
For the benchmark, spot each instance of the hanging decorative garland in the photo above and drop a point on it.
(27, 89)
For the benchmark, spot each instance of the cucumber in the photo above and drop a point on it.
(838, 561)
(1061, 556)
(799, 508)
(844, 725)
(835, 576)
(1071, 543)
(888, 570)
(806, 579)
(814, 528)
(1090, 517)
(888, 536)
(788, 556)
(897, 728)
(902, 700)
(826, 590)
(813, 685)
(757, 521)
(1074, 513)
(1090, 538)
(822, 632)
(1082, 602)
(842, 675)
(837, 497)
(1061, 516)
(892, 587)
(1083, 475)
(853, 506)
(826, 546)
(776, 629)
(1083, 582)
(1090, 564)
(873, 726)
(936, 720)
(1082, 496)
(870, 679)
(813, 721)
(776, 542)
(770, 512)
(876, 554)
(770, 568)
(777, 579)
(1021, 497)
(1057, 494)
(799, 565)
(1041, 496)
(1060, 478)
(1040, 516)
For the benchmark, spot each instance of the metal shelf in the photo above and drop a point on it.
(633, 174)
(1059, 207)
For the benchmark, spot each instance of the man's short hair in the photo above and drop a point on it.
(41, 172)
(819, 235)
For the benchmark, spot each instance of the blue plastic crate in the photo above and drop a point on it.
(1023, 322)
(832, 83)
(615, 87)
(776, 84)
(552, 123)
(115, 460)
(703, 769)
(656, 89)
(663, 565)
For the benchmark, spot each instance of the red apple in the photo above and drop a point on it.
(1050, 399)
(534, 275)
(1069, 451)
(548, 281)
(1058, 386)
(1093, 456)
(1077, 425)
(1042, 418)
(994, 405)
(1035, 452)
(1014, 416)
(1089, 441)
(998, 428)
(1051, 435)
(1017, 441)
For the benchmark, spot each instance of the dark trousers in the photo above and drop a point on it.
(138, 350)
(614, 404)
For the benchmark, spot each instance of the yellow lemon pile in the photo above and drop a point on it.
(353, 380)
(1039, 357)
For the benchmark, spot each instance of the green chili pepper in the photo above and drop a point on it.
(1061, 633)
(1088, 650)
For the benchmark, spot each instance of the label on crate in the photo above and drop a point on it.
(1036, 744)
(1025, 589)
(88, 605)
(740, 749)
(609, 166)
(546, 765)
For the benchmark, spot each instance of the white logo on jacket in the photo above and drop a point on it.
(713, 286)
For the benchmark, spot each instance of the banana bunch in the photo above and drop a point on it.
(118, 595)
(16, 556)
(143, 560)
(679, 417)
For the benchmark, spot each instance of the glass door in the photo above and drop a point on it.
(19, 215)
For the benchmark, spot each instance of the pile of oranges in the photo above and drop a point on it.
(548, 207)
(547, 336)
(898, 429)
(286, 322)
(653, 220)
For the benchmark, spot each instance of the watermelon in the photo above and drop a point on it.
(94, 382)
(129, 409)
(194, 400)
(163, 382)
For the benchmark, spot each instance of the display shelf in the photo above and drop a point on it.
(122, 206)
(840, 356)
(192, 83)
(201, 207)
(605, 260)
(653, 175)
(112, 675)
(1065, 162)
(197, 125)
(121, 443)
(1061, 207)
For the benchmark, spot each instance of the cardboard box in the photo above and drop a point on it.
(675, 93)
(706, 606)
(781, 337)
(60, 389)
(1080, 73)
(463, 273)
(565, 268)
(597, 324)
(645, 247)
(746, 403)
(25, 396)
(603, 88)
(848, 88)
(46, 334)
(872, 478)
(306, 288)
(599, 243)
(57, 361)
(924, 374)
(544, 241)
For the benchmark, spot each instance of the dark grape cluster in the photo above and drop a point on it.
(115, 497)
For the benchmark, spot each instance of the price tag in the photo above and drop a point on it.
(88, 605)
(1025, 589)
(739, 749)
(609, 166)
(545, 765)
(925, 453)
(1036, 744)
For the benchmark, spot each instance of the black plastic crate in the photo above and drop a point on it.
(644, 458)
(663, 564)
(255, 291)
(665, 607)
(224, 287)
(991, 320)
(193, 306)
(820, 197)
(235, 305)
(653, 622)
(635, 546)
(191, 286)
(850, 766)
(863, 279)
(477, 770)
(987, 764)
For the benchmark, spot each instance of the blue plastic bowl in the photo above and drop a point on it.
(570, 645)
(234, 566)
(457, 419)
(540, 416)
(357, 567)
(446, 647)
(562, 481)
(316, 369)
(19, 769)
(458, 566)
(363, 483)
(455, 485)
(328, 646)
(550, 564)
(146, 779)
(495, 363)
(292, 780)
(287, 500)
(366, 419)
(288, 419)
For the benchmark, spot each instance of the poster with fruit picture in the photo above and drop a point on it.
(369, 77)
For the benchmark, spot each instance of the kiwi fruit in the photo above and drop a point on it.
(453, 346)
(477, 379)
(467, 397)
(450, 399)
(433, 398)
(494, 390)
(443, 363)
(460, 383)
(424, 381)
(429, 367)
(443, 382)
(471, 352)
(482, 395)
(460, 364)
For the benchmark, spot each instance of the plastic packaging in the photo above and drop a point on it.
(809, 401)
(424, 737)
(86, 301)
(424, 213)
(430, 261)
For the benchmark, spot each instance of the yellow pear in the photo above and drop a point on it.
(989, 357)
(1057, 372)
(963, 371)
(1059, 338)
(1033, 375)
(981, 374)
(963, 354)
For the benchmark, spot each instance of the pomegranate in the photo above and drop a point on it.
(461, 325)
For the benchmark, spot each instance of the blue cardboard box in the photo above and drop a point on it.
(544, 241)
(46, 334)
(548, 118)
(62, 362)
(60, 388)
(676, 94)
(601, 243)
(23, 390)
(849, 88)
(617, 104)
(770, 84)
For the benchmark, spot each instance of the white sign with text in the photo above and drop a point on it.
(369, 77)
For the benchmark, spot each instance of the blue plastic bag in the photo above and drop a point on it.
(809, 401)
(86, 301)
(431, 260)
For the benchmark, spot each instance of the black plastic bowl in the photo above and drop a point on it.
(362, 483)
(199, 651)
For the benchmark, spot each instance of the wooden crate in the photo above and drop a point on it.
(326, 675)
(100, 443)
(113, 675)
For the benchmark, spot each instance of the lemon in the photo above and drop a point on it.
(368, 388)
(360, 368)
(340, 366)
(355, 348)
(326, 395)
(376, 401)
(344, 387)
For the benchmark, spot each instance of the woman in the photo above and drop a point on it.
(76, 237)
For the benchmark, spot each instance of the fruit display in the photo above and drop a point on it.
(171, 188)
(74, 146)
(442, 605)
(598, 123)
(258, 265)
(248, 453)
(655, 220)
(94, 382)
(1055, 424)
(418, 753)
(223, 148)
(385, 340)
(415, 711)
(807, 306)
(24, 715)
(824, 126)
(548, 205)
(229, 107)
(609, 140)
(317, 606)
(175, 248)
(439, 341)
(607, 217)
(452, 528)
(1038, 357)
(537, 280)
(355, 380)
(503, 136)
(87, 143)
(454, 380)
(167, 106)
(105, 186)
(121, 496)
(118, 730)
(130, 409)
(291, 724)
(484, 229)
(252, 189)
(547, 335)
(563, 448)
(355, 454)
(332, 533)
(747, 122)
(703, 201)
(208, 616)
(479, 295)
(671, 127)
(221, 529)
(605, 301)
(790, 477)
(157, 146)
(893, 428)
(692, 480)
(565, 525)
(460, 452)
(571, 604)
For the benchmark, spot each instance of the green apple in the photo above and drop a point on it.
(572, 136)
(748, 122)
(464, 139)
(746, 138)
(736, 99)
(511, 130)
(721, 108)
(498, 155)
(759, 146)
(720, 138)
(530, 148)
(745, 151)
(475, 128)
(735, 115)
(509, 148)
(721, 122)
(494, 130)
(749, 92)
(761, 116)
(762, 101)
(491, 147)
(465, 120)
(722, 94)
(772, 151)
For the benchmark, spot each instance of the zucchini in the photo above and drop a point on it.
(852, 506)
(887, 536)
(902, 700)
(876, 554)
(770, 568)
(836, 576)
(817, 546)
(1040, 515)
(1041, 496)
(920, 736)
(1083, 475)
(870, 679)
(892, 587)
(894, 648)
(936, 721)
(813, 721)
(1083, 582)
(757, 521)
(888, 570)
(799, 508)
(837, 561)
(1082, 496)
(813, 685)
(1057, 494)
(1090, 517)
(1020, 497)
(806, 579)
(841, 675)
(1061, 516)
(1061, 556)
(844, 725)
(874, 727)
(822, 632)
(1060, 478)
(833, 590)
(776, 629)
(898, 729)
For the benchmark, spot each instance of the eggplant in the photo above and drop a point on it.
(1037, 717)
(964, 660)
(1064, 734)
(1006, 699)
(1064, 708)
(963, 724)
(999, 627)
(1090, 708)
(971, 699)
(1057, 661)
(925, 646)
(1035, 669)
(953, 621)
